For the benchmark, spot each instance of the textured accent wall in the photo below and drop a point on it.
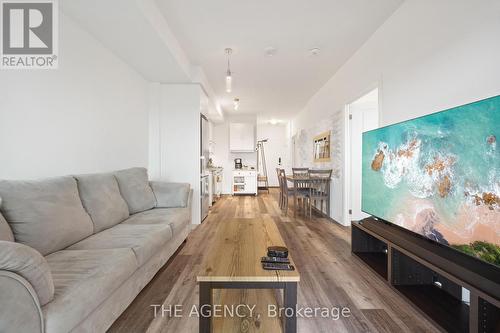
(304, 144)
(334, 122)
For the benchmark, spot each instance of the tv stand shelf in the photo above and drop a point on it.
(431, 276)
(448, 312)
(376, 261)
(371, 250)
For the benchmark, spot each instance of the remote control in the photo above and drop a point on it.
(275, 259)
(277, 266)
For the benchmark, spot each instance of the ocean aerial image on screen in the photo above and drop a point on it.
(439, 176)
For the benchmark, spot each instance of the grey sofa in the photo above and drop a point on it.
(76, 250)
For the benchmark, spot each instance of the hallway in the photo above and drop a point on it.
(330, 277)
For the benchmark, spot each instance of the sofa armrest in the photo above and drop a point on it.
(170, 195)
(20, 308)
(29, 264)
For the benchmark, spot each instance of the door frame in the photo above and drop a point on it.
(347, 149)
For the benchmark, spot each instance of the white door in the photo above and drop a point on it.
(363, 116)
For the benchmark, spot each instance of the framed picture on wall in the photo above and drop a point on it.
(321, 147)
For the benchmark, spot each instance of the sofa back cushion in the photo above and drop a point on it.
(101, 198)
(135, 189)
(5, 231)
(45, 214)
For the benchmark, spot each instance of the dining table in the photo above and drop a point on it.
(311, 182)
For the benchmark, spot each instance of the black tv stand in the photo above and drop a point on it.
(431, 276)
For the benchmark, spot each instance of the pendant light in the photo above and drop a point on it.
(229, 78)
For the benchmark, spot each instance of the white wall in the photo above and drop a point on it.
(89, 115)
(428, 56)
(223, 156)
(175, 136)
(277, 146)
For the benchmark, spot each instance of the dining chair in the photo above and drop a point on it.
(301, 189)
(287, 191)
(301, 172)
(320, 189)
(281, 201)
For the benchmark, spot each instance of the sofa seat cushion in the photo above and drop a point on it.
(144, 240)
(135, 189)
(47, 214)
(102, 199)
(83, 280)
(176, 218)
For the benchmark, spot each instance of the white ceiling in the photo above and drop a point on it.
(129, 29)
(277, 86)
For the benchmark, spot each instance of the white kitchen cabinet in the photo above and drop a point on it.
(241, 137)
(245, 182)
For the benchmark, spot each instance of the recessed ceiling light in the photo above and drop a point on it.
(270, 51)
(314, 51)
(274, 121)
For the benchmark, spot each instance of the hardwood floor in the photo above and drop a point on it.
(330, 277)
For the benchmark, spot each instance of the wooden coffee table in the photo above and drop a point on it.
(234, 263)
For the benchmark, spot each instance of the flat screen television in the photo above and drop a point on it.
(439, 176)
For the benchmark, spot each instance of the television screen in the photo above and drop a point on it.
(439, 176)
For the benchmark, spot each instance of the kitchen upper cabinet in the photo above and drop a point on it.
(241, 137)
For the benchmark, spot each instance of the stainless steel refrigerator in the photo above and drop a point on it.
(204, 172)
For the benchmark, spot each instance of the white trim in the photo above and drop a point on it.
(347, 166)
